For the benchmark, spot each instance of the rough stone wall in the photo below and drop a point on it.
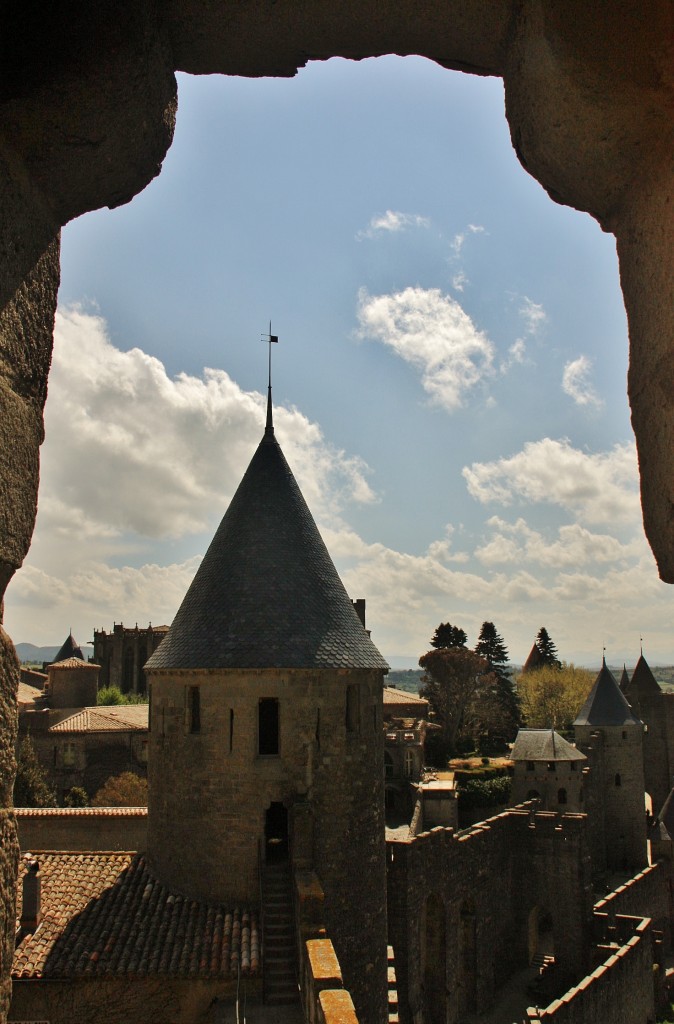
(496, 873)
(615, 796)
(620, 989)
(82, 828)
(208, 799)
(73, 687)
(567, 776)
(149, 1000)
(644, 895)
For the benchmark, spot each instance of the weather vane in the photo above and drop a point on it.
(270, 339)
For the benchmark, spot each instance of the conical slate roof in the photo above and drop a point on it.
(624, 679)
(606, 705)
(643, 681)
(267, 593)
(70, 649)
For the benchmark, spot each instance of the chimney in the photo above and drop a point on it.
(359, 605)
(32, 891)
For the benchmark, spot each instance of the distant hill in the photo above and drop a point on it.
(405, 679)
(29, 652)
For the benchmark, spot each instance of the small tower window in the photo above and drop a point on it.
(618, 780)
(551, 766)
(352, 709)
(268, 727)
(530, 766)
(192, 709)
(231, 729)
(318, 728)
(561, 796)
(409, 763)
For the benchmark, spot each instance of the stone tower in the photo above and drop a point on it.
(653, 708)
(266, 725)
(611, 736)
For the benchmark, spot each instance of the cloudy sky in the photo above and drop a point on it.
(449, 384)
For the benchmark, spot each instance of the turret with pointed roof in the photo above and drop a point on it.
(267, 594)
(656, 710)
(611, 735)
(266, 725)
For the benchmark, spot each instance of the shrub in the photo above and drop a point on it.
(485, 792)
(125, 790)
(76, 797)
(110, 695)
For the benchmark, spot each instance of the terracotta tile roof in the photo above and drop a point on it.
(116, 718)
(393, 696)
(27, 695)
(68, 663)
(267, 594)
(104, 914)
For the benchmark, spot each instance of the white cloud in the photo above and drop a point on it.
(574, 546)
(576, 382)
(431, 331)
(599, 488)
(130, 450)
(392, 221)
(517, 354)
(534, 316)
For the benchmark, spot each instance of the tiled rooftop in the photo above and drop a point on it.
(267, 594)
(544, 745)
(104, 914)
(393, 696)
(116, 718)
(69, 663)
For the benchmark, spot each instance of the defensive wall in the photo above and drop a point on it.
(644, 895)
(324, 998)
(82, 828)
(461, 906)
(619, 989)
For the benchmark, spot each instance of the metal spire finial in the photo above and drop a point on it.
(270, 339)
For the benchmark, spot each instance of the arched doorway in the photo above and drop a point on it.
(276, 849)
(435, 961)
(541, 937)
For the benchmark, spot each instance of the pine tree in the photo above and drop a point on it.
(490, 645)
(31, 788)
(547, 649)
(447, 635)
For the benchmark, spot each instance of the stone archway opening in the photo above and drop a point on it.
(276, 842)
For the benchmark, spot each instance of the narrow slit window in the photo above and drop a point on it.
(231, 730)
(268, 726)
(352, 709)
(318, 728)
(193, 709)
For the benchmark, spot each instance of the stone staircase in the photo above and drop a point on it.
(280, 959)
(392, 987)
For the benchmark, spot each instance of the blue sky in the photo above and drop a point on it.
(449, 383)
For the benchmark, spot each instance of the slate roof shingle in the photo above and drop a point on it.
(643, 681)
(267, 594)
(543, 745)
(606, 705)
(103, 914)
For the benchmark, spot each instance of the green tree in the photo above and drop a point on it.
(447, 635)
(490, 645)
(76, 797)
(552, 697)
(110, 695)
(457, 684)
(125, 790)
(547, 649)
(31, 788)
